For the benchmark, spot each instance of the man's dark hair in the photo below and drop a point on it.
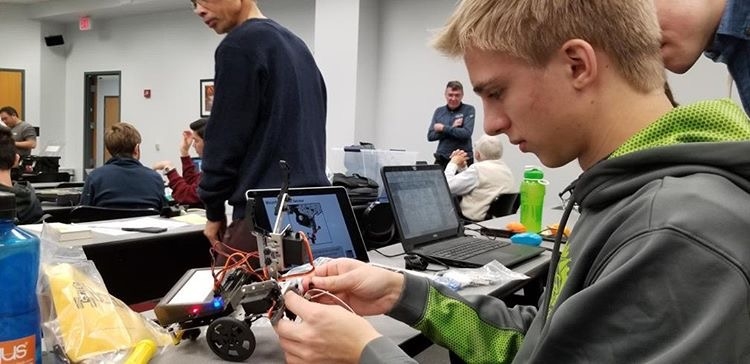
(455, 86)
(9, 110)
(7, 149)
(199, 126)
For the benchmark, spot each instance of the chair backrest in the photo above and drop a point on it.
(504, 204)
(96, 213)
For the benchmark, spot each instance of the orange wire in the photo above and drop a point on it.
(237, 260)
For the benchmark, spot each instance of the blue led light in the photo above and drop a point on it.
(217, 302)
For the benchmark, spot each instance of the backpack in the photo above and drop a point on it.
(361, 190)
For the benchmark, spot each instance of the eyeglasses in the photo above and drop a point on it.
(194, 3)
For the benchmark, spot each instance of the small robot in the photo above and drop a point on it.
(230, 300)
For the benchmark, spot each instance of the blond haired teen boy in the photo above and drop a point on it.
(658, 266)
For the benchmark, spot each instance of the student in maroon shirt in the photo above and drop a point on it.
(185, 187)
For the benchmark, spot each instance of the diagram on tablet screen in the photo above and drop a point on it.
(309, 218)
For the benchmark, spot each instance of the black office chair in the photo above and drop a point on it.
(96, 213)
(504, 204)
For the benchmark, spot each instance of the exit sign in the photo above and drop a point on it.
(84, 23)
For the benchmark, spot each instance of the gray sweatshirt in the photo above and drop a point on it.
(657, 268)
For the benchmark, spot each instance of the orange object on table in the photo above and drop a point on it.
(516, 227)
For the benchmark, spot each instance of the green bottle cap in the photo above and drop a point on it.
(533, 173)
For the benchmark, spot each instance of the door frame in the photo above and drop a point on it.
(119, 106)
(89, 161)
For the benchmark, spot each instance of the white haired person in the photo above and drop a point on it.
(480, 183)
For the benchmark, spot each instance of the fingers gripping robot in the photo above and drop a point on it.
(241, 294)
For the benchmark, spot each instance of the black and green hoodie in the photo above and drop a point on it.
(28, 207)
(657, 268)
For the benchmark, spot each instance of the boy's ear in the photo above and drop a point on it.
(581, 61)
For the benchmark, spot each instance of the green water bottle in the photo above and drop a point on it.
(533, 188)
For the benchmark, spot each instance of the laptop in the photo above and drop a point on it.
(324, 214)
(197, 162)
(428, 222)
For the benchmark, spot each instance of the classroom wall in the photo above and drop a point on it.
(52, 90)
(390, 83)
(367, 71)
(22, 50)
(167, 53)
(336, 42)
(412, 78)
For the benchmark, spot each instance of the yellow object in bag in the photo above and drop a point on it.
(91, 322)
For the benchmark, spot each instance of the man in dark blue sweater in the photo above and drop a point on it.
(452, 125)
(122, 181)
(269, 105)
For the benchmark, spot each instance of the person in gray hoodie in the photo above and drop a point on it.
(657, 268)
(28, 207)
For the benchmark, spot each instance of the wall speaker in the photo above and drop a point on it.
(54, 40)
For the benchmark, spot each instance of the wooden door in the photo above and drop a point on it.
(11, 90)
(111, 116)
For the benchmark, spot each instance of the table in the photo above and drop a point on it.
(114, 256)
(410, 340)
(138, 267)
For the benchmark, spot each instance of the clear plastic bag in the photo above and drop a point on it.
(80, 318)
(491, 273)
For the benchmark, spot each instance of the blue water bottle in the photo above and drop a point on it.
(20, 335)
(533, 188)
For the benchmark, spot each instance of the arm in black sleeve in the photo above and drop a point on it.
(466, 129)
(239, 86)
(433, 135)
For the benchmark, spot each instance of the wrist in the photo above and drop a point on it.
(396, 290)
(168, 169)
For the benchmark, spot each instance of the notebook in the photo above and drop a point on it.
(428, 222)
(324, 214)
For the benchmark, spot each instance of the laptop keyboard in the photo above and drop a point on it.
(468, 246)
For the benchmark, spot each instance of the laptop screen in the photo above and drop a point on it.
(421, 201)
(324, 214)
(197, 162)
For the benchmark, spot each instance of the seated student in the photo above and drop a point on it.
(481, 182)
(657, 268)
(185, 187)
(123, 181)
(28, 207)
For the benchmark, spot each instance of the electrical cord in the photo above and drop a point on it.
(433, 261)
(387, 255)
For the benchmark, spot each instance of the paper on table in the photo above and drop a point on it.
(135, 223)
(34, 228)
(192, 219)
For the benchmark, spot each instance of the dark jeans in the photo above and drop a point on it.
(238, 236)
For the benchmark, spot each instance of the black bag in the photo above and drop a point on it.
(361, 190)
(40, 164)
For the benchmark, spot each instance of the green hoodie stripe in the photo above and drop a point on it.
(456, 326)
(693, 123)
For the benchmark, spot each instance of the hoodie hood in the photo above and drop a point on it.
(707, 137)
(613, 179)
